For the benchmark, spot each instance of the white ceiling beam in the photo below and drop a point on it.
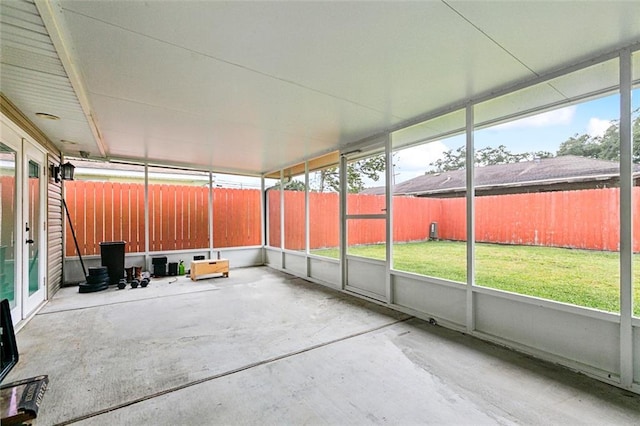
(53, 19)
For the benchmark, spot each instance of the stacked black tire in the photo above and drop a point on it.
(97, 280)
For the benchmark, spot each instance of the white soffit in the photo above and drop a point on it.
(32, 78)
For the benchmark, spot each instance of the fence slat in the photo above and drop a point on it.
(140, 218)
(178, 216)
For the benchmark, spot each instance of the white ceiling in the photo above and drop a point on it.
(255, 86)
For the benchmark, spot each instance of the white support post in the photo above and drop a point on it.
(343, 222)
(389, 221)
(306, 207)
(282, 219)
(146, 213)
(471, 238)
(263, 212)
(626, 224)
(306, 217)
(210, 216)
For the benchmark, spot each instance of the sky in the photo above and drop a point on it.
(542, 132)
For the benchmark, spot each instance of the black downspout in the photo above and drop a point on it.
(75, 240)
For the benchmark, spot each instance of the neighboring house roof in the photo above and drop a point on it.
(548, 171)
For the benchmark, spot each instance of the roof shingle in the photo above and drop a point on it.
(566, 168)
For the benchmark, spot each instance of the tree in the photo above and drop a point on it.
(366, 168)
(292, 185)
(455, 159)
(580, 145)
(605, 147)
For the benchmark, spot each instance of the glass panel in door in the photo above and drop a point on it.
(32, 228)
(33, 222)
(8, 283)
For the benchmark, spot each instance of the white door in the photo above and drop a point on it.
(34, 233)
(366, 218)
(10, 265)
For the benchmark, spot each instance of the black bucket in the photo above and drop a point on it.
(173, 268)
(160, 270)
(112, 256)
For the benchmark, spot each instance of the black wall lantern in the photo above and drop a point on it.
(63, 171)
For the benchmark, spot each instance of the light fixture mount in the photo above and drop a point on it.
(62, 172)
(47, 116)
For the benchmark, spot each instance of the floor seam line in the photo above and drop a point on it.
(125, 301)
(229, 373)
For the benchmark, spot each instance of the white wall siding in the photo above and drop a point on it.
(295, 263)
(273, 258)
(325, 270)
(55, 229)
(243, 257)
(367, 276)
(446, 302)
(588, 340)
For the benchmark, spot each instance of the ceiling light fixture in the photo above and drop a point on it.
(47, 116)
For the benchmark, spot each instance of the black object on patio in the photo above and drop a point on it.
(112, 256)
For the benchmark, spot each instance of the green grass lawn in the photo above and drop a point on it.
(580, 277)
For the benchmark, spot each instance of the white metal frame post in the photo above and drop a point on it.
(263, 218)
(306, 207)
(146, 213)
(282, 254)
(210, 215)
(343, 221)
(306, 218)
(388, 209)
(626, 224)
(471, 235)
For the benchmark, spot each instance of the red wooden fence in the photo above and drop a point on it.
(324, 219)
(105, 211)
(236, 217)
(586, 219)
(178, 218)
(274, 210)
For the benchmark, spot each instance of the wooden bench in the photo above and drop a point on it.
(200, 268)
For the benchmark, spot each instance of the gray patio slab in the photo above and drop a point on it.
(263, 347)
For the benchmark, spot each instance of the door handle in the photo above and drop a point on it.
(30, 241)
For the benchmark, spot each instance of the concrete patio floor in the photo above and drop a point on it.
(263, 347)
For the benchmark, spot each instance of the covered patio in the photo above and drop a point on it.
(266, 347)
(179, 104)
